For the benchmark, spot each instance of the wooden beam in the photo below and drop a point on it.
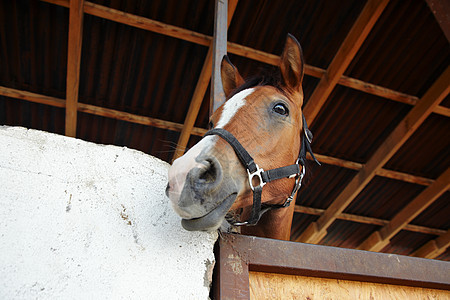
(205, 40)
(239, 255)
(73, 64)
(199, 93)
(350, 46)
(96, 110)
(219, 50)
(441, 11)
(194, 106)
(434, 248)
(137, 119)
(407, 214)
(140, 22)
(32, 97)
(381, 172)
(367, 220)
(404, 177)
(438, 91)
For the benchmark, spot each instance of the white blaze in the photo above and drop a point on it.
(232, 106)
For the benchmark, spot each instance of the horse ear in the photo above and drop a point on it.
(231, 79)
(291, 63)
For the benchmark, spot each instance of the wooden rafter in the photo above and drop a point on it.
(379, 239)
(202, 39)
(97, 110)
(73, 64)
(438, 91)
(199, 93)
(221, 25)
(435, 247)
(381, 172)
(367, 220)
(195, 104)
(355, 38)
(139, 22)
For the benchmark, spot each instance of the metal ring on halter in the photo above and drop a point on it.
(257, 173)
(298, 184)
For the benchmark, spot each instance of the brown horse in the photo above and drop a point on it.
(260, 127)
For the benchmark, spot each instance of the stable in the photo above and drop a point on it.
(146, 75)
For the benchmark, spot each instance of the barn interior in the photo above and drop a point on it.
(137, 73)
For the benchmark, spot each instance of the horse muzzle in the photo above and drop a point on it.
(200, 193)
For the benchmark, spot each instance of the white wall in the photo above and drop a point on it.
(80, 220)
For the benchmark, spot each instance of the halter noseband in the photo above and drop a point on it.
(258, 175)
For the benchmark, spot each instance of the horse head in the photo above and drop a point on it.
(210, 182)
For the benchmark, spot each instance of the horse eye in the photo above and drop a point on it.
(210, 125)
(281, 109)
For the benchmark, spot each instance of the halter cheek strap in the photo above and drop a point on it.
(258, 177)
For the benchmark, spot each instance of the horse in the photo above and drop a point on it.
(260, 126)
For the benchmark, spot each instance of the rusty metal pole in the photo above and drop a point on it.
(219, 50)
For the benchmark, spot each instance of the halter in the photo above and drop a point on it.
(258, 175)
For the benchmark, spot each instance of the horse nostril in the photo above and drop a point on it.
(209, 173)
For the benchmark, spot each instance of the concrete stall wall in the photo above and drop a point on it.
(81, 220)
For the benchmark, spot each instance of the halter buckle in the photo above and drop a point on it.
(256, 174)
(298, 184)
(297, 174)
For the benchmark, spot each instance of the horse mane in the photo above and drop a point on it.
(266, 77)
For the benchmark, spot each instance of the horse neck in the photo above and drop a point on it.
(274, 224)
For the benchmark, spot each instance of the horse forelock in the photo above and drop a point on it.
(267, 77)
(272, 78)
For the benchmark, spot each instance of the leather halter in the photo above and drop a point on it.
(258, 177)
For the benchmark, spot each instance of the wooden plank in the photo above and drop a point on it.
(404, 177)
(367, 220)
(408, 213)
(140, 22)
(348, 49)
(96, 110)
(219, 50)
(381, 172)
(194, 107)
(199, 93)
(434, 248)
(137, 119)
(32, 97)
(246, 254)
(232, 273)
(73, 64)
(280, 286)
(438, 91)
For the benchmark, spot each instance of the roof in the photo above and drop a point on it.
(376, 97)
